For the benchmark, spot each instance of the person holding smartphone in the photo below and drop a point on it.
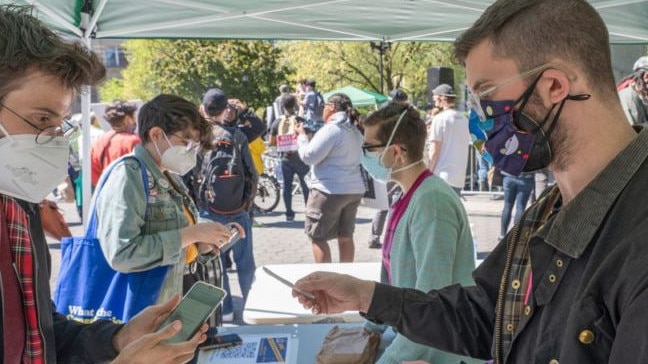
(139, 232)
(39, 76)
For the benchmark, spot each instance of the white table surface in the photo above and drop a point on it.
(270, 301)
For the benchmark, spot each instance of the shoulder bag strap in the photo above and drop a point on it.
(91, 231)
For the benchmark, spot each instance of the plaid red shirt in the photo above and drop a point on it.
(21, 254)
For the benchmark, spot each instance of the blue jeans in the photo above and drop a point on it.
(517, 190)
(242, 254)
(482, 169)
(290, 167)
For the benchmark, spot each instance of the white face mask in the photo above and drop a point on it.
(177, 158)
(29, 171)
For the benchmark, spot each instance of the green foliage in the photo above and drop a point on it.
(338, 64)
(248, 70)
(252, 70)
(112, 89)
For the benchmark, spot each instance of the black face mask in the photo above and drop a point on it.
(541, 153)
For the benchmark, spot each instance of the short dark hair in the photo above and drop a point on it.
(173, 113)
(26, 43)
(411, 131)
(533, 32)
(289, 102)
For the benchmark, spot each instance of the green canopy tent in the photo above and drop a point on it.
(358, 96)
(359, 20)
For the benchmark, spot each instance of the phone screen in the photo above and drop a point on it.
(236, 236)
(196, 306)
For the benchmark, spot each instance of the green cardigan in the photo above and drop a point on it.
(432, 248)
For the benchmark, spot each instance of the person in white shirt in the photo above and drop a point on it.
(448, 139)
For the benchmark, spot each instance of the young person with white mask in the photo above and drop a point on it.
(39, 76)
(139, 232)
(428, 242)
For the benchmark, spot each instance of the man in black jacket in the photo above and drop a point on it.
(39, 76)
(569, 283)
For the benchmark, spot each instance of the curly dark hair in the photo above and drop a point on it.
(26, 44)
(173, 113)
(117, 110)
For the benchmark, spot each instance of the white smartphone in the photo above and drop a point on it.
(196, 306)
(234, 238)
(287, 283)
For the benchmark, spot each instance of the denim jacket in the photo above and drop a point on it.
(589, 297)
(137, 234)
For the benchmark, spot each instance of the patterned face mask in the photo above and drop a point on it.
(504, 145)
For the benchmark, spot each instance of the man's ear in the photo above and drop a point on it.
(553, 86)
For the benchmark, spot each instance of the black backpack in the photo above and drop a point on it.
(221, 183)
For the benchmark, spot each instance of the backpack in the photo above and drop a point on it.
(221, 183)
(315, 108)
(286, 134)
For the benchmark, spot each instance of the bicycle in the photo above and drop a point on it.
(269, 186)
(268, 193)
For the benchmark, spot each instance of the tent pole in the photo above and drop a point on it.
(86, 165)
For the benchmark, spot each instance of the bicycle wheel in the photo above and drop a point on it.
(268, 193)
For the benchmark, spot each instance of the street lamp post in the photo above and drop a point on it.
(381, 48)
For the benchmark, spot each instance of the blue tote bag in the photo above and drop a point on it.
(88, 289)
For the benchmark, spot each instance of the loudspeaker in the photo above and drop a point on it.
(437, 76)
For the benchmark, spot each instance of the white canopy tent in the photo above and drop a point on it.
(359, 20)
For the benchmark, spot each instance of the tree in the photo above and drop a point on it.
(249, 70)
(337, 64)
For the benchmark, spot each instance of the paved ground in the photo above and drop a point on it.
(279, 241)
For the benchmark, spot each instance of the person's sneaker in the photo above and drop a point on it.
(290, 217)
(228, 317)
(375, 243)
(256, 223)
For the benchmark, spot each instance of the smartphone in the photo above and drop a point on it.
(234, 238)
(221, 341)
(196, 306)
(287, 283)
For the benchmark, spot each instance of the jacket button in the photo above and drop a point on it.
(527, 310)
(552, 278)
(553, 361)
(559, 263)
(515, 284)
(586, 337)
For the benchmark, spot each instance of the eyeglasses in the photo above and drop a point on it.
(47, 134)
(474, 98)
(370, 148)
(190, 144)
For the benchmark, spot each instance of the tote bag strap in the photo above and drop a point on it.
(91, 232)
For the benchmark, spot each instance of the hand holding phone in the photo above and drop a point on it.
(288, 283)
(196, 306)
(234, 238)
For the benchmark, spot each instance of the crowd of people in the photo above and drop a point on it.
(174, 181)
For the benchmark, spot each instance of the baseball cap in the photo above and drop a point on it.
(398, 95)
(214, 101)
(641, 63)
(444, 90)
